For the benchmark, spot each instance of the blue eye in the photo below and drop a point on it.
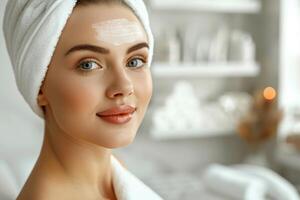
(136, 63)
(88, 65)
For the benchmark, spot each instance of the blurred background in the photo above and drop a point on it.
(226, 79)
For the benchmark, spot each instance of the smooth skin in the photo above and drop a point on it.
(74, 162)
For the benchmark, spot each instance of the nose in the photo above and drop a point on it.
(121, 85)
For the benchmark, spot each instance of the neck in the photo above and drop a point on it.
(78, 162)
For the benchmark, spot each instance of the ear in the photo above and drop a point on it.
(42, 101)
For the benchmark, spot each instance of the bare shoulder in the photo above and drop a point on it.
(36, 192)
(43, 188)
(46, 193)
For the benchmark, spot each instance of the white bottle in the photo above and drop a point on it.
(242, 47)
(218, 51)
(173, 47)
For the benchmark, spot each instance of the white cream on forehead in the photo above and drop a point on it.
(118, 31)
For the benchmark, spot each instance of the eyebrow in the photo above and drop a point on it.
(102, 50)
(137, 47)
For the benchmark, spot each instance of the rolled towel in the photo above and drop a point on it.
(278, 187)
(32, 29)
(233, 183)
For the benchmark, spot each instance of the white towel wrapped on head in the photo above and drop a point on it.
(32, 29)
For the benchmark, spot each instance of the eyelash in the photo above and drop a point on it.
(144, 61)
(87, 61)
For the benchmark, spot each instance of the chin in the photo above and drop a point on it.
(121, 140)
(119, 144)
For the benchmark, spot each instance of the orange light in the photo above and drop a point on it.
(269, 93)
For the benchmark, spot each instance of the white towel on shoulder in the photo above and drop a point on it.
(129, 187)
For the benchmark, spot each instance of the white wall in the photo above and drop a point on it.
(289, 74)
(20, 130)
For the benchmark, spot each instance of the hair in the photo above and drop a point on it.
(88, 2)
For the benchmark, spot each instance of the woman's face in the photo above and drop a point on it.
(100, 63)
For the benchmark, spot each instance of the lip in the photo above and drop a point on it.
(117, 115)
(119, 110)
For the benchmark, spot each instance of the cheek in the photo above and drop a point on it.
(143, 88)
(74, 94)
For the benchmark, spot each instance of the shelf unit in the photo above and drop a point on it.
(230, 69)
(190, 134)
(225, 6)
(233, 69)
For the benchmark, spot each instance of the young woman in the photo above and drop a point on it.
(83, 66)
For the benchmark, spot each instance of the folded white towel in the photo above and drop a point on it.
(32, 29)
(128, 187)
(233, 183)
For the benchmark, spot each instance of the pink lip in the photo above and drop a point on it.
(117, 115)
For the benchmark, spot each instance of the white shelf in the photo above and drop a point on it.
(190, 134)
(226, 6)
(205, 70)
